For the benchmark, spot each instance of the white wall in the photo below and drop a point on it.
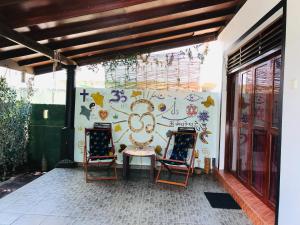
(248, 15)
(289, 207)
(212, 67)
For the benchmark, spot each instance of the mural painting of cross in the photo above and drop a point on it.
(84, 94)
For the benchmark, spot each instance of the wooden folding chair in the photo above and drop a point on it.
(99, 150)
(179, 159)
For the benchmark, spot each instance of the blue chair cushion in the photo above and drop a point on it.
(100, 143)
(182, 144)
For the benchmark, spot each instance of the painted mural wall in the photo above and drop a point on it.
(143, 117)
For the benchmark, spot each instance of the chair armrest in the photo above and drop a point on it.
(171, 160)
(102, 157)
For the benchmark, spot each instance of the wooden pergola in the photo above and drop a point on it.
(35, 33)
(85, 32)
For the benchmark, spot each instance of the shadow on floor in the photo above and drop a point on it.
(16, 182)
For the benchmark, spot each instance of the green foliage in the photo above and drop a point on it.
(130, 61)
(14, 124)
(133, 60)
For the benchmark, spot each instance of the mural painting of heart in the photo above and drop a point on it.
(103, 114)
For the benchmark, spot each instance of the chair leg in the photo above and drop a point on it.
(90, 178)
(193, 165)
(187, 177)
(158, 174)
(115, 169)
(86, 171)
(113, 165)
(182, 184)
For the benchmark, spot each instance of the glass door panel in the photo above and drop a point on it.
(275, 142)
(245, 104)
(243, 154)
(276, 93)
(246, 84)
(258, 159)
(262, 90)
(274, 169)
(234, 124)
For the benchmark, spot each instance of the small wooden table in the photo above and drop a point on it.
(135, 151)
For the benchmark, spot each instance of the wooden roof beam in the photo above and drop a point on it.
(164, 45)
(14, 36)
(142, 29)
(100, 23)
(105, 36)
(59, 10)
(10, 2)
(122, 43)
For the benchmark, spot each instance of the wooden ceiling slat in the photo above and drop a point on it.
(102, 47)
(100, 37)
(151, 27)
(95, 30)
(150, 48)
(31, 61)
(9, 2)
(35, 12)
(12, 35)
(125, 47)
(140, 50)
(5, 43)
(101, 23)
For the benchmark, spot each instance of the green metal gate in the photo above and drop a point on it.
(45, 135)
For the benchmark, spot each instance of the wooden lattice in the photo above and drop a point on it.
(159, 73)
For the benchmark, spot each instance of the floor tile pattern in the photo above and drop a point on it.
(61, 197)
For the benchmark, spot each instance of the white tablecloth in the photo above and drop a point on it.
(136, 151)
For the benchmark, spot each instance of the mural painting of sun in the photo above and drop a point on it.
(141, 125)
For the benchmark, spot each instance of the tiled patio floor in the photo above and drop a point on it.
(62, 197)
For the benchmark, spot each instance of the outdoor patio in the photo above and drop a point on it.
(63, 197)
(202, 90)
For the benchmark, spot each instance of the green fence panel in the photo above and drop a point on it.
(45, 135)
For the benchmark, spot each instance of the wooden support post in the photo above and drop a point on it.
(67, 147)
(70, 97)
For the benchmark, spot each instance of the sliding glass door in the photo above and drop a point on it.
(254, 127)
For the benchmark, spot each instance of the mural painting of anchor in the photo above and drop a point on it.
(174, 110)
